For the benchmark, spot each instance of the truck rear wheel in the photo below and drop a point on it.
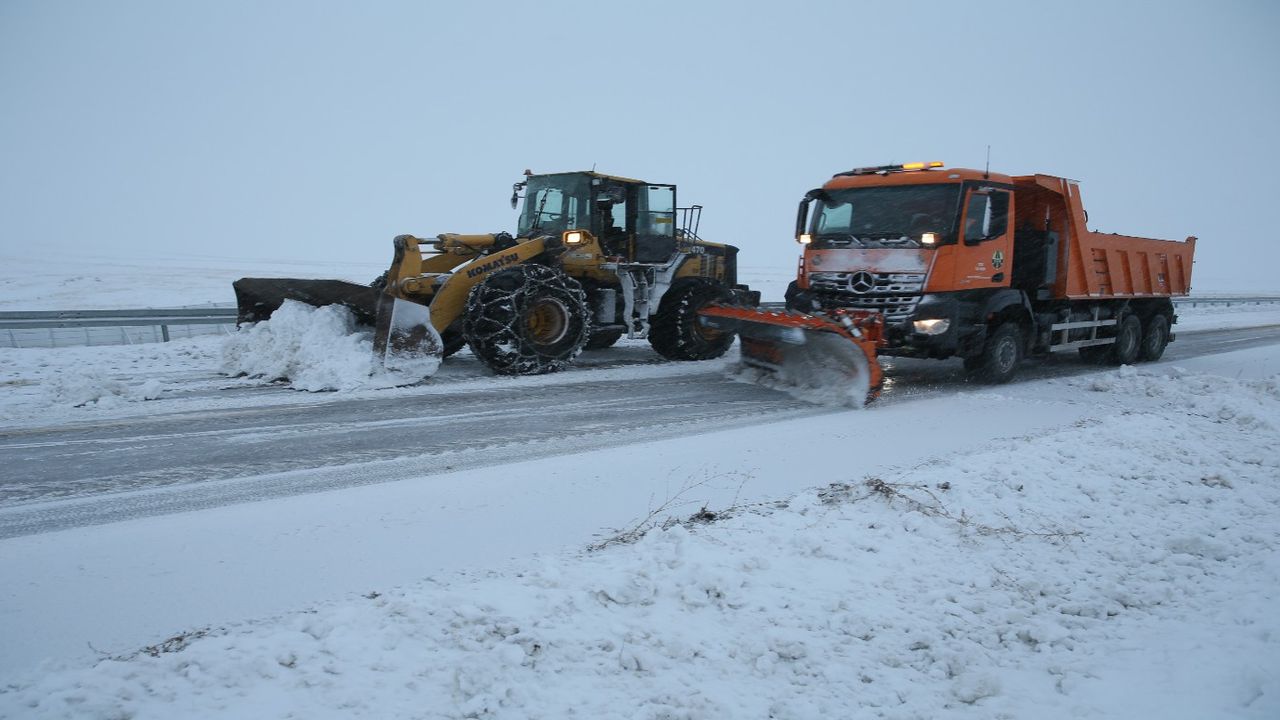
(675, 331)
(1000, 356)
(1155, 338)
(526, 320)
(1124, 351)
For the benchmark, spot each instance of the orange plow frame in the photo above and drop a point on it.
(865, 329)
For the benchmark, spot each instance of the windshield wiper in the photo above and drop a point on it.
(537, 215)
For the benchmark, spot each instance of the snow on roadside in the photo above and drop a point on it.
(1126, 566)
(37, 384)
(1226, 317)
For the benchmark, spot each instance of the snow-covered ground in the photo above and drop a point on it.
(1105, 545)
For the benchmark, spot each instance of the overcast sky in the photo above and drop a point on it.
(267, 130)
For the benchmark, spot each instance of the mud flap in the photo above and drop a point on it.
(830, 359)
(404, 340)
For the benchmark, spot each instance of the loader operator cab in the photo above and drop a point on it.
(634, 221)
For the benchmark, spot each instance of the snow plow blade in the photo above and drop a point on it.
(403, 339)
(830, 354)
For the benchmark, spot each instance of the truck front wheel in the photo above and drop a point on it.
(1000, 355)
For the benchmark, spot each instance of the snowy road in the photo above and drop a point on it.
(93, 473)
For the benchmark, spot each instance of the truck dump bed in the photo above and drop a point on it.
(1097, 265)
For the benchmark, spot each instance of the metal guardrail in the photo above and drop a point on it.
(1227, 300)
(1191, 301)
(65, 328)
(164, 318)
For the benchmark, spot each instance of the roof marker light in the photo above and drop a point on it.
(886, 169)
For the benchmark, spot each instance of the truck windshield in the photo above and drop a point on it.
(555, 203)
(885, 216)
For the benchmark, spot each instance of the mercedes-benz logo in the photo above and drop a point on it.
(861, 282)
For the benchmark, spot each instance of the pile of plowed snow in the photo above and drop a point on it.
(1126, 566)
(315, 349)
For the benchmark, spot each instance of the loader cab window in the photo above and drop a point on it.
(612, 203)
(986, 215)
(555, 203)
(655, 223)
(657, 214)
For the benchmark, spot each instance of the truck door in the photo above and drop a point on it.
(984, 255)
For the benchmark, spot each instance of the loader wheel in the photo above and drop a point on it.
(1000, 356)
(601, 339)
(1124, 351)
(674, 330)
(1155, 338)
(527, 320)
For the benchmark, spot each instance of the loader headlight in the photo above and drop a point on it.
(573, 237)
(932, 326)
(804, 238)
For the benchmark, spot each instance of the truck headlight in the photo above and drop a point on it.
(932, 326)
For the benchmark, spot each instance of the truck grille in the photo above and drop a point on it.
(895, 295)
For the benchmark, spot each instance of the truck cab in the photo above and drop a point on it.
(929, 249)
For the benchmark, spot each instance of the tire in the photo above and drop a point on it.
(1124, 351)
(674, 331)
(1155, 338)
(599, 339)
(1001, 355)
(526, 320)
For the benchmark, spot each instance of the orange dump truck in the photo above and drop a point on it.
(921, 261)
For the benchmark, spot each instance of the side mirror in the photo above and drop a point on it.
(515, 194)
(802, 215)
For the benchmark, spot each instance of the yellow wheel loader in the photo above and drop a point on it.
(594, 257)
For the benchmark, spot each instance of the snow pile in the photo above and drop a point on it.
(95, 388)
(1127, 566)
(315, 349)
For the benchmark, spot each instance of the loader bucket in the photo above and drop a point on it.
(257, 298)
(403, 339)
(833, 359)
